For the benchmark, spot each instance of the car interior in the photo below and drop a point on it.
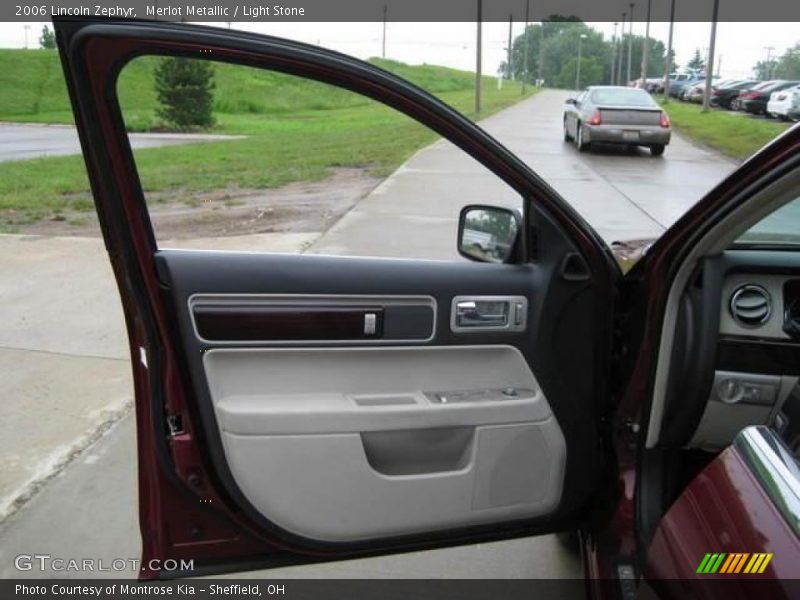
(731, 350)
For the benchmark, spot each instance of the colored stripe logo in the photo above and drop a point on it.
(734, 563)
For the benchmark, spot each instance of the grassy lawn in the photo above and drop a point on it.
(735, 135)
(297, 130)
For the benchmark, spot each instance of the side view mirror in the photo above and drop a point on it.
(571, 101)
(488, 233)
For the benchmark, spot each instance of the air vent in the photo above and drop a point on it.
(751, 305)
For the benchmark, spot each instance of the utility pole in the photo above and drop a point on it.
(630, 43)
(26, 27)
(478, 61)
(668, 61)
(614, 54)
(621, 48)
(710, 61)
(719, 66)
(541, 53)
(767, 67)
(510, 71)
(646, 46)
(525, 46)
(578, 69)
(383, 46)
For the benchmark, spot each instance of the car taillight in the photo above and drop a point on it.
(596, 119)
(664, 121)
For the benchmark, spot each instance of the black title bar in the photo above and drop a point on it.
(404, 10)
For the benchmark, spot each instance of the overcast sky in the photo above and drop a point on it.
(740, 45)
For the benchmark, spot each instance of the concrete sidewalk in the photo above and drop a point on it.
(63, 351)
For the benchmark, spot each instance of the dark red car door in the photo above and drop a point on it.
(253, 451)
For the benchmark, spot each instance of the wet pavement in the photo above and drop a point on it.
(24, 141)
(623, 195)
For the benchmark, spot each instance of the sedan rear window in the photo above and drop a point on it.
(622, 97)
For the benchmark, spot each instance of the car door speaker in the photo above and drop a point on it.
(513, 466)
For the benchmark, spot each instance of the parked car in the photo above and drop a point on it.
(298, 408)
(736, 103)
(616, 115)
(755, 101)
(684, 93)
(723, 96)
(784, 102)
(694, 93)
(652, 85)
(794, 112)
(676, 86)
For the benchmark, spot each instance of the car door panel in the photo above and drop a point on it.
(291, 406)
(361, 421)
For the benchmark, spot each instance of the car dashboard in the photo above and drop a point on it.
(756, 365)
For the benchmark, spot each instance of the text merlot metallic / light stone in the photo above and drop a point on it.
(251, 11)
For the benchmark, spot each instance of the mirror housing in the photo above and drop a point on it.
(571, 101)
(488, 233)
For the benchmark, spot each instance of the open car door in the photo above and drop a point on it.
(303, 407)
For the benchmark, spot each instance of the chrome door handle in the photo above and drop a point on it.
(476, 314)
(488, 313)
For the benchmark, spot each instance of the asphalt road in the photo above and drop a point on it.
(623, 196)
(24, 141)
(63, 339)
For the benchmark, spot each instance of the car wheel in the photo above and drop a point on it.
(657, 150)
(580, 144)
(567, 136)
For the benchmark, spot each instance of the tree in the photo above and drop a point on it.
(592, 73)
(697, 63)
(673, 65)
(185, 90)
(788, 66)
(764, 69)
(552, 27)
(47, 39)
(552, 49)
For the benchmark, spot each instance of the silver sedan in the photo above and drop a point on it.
(616, 115)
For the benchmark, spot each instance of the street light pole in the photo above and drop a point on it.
(525, 47)
(614, 54)
(646, 46)
(630, 43)
(383, 43)
(621, 48)
(478, 61)
(710, 61)
(540, 71)
(510, 71)
(668, 61)
(767, 67)
(578, 69)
